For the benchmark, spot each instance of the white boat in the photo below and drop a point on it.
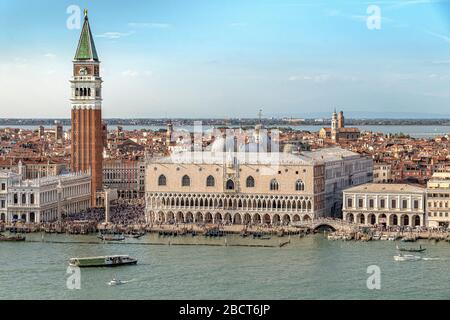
(384, 237)
(103, 261)
(376, 237)
(392, 238)
(406, 257)
(116, 282)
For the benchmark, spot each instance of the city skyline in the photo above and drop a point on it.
(290, 58)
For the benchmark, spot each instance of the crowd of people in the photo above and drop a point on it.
(121, 212)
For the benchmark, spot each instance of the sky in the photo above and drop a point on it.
(231, 58)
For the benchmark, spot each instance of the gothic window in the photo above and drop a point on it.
(250, 182)
(162, 181)
(210, 181)
(186, 181)
(274, 185)
(299, 185)
(230, 185)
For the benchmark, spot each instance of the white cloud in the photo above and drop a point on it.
(50, 55)
(114, 35)
(441, 62)
(318, 78)
(130, 73)
(440, 36)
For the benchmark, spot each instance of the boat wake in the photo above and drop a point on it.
(431, 259)
(115, 282)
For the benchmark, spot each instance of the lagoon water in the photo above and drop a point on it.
(308, 268)
(413, 130)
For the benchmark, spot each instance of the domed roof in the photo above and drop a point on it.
(222, 144)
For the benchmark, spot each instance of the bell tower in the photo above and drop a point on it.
(86, 104)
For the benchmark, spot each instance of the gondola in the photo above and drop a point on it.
(420, 249)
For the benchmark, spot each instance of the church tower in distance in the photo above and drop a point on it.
(86, 104)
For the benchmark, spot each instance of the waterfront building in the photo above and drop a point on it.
(438, 200)
(45, 199)
(249, 186)
(86, 102)
(343, 169)
(385, 204)
(126, 176)
(338, 132)
(223, 189)
(7, 180)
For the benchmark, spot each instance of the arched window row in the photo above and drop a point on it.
(82, 92)
(230, 185)
(237, 203)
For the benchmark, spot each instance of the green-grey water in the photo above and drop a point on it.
(308, 268)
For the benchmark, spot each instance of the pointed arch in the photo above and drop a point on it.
(250, 182)
(299, 185)
(210, 181)
(274, 186)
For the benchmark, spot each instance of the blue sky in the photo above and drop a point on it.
(211, 58)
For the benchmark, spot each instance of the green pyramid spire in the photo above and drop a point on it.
(86, 47)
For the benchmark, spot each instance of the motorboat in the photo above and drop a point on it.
(116, 282)
(384, 237)
(406, 257)
(102, 261)
(392, 237)
(376, 236)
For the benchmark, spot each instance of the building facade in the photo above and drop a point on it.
(126, 176)
(343, 169)
(44, 200)
(231, 190)
(338, 132)
(438, 200)
(252, 187)
(35, 169)
(7, 180)
(86, 102)
(385, 204)
(382, 173)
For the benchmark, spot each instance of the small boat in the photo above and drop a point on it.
(135, 235)
(406, 257)
(115, 282)
(376, 236)
(102, 261)
(14, 238)
(420, 249)
(347, 237)
(111, 237)
(257, 235)
(384, 237)
(334, 236)
(408, 239)
(392, 238)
